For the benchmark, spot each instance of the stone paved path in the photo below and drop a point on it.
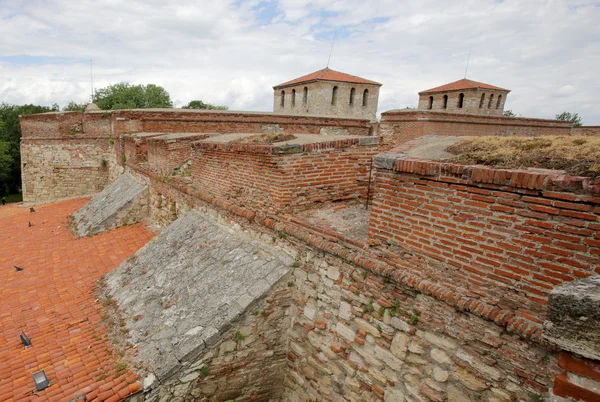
(53, 301)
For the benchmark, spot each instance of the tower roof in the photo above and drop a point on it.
(327, 74)
(463, 84)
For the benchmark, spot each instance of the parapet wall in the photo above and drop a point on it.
(502, 237)
(400, 126)
(72, 154)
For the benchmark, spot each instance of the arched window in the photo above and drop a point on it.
(491, 101)
(305, 96)
(366, 97)
(445, 103)
(293, 97)
(282, 98)
(461, 100)
(499, 101)
(430, 106)
(352, 94)
(334, 95)
(482, 101)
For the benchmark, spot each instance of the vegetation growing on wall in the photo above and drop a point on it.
(578, 155)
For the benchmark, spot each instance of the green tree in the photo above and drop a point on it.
(10, 133)
(75, 107)
(574, 118)
(6, 165)
(509, 113)
(198, 104)
(127, 96)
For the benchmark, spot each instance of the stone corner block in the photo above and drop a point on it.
(573, 318)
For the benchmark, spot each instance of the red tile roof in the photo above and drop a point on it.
(327, 74)
(53, 301)
(462, 84)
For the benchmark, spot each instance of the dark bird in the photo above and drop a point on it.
(30, 225)
(31, 209)
(18, 268)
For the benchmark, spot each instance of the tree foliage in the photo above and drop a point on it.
(509, 113)
(10, 135)
(127, 96)
(75, 107)
(6, 163)
(198, 104)
(574, 118)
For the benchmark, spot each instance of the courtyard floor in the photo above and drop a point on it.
(53, 301)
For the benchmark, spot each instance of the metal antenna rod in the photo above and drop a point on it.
(331, 51)
(92, 80)
(468, 58)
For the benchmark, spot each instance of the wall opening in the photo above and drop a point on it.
(430, 106)
(334, 95)
(461, 100)
(352, 95)
(282, 104)
(445, 103)
(498, 101)
(491, 101)
(293, 97)
(482, 101)
(366, 97)
(305, 96)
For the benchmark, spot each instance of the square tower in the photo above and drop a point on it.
(465, 96)
(328, 93)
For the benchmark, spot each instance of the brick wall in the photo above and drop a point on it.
(260, 178)
(400, 126)
(503, 237)
(167, 153)
(586, 130)
(202, 121)
(579, 378)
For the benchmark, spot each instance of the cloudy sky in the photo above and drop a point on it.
(233, 52)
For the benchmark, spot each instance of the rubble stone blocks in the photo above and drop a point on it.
(573, 318)
(125, 201)
(182, 291)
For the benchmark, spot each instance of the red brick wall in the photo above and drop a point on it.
(579, 380)
(260, 180)
(505, 237)
(586, 130)
(177, 120)
(166, 155)
(402, 126)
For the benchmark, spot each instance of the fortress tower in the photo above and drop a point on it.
(328, 93)
(465, 96)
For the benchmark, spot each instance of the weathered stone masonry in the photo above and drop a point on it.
(445, 300)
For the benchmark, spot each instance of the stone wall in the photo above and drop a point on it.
(65, 155)
(476, 101)
(400, 126)
(122, 202)
(320, 101)
(358, 337)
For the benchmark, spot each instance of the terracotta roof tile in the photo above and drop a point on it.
(53, 301)
(327, 74)
(462, 84)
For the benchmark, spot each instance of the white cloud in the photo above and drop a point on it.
(232, 52)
